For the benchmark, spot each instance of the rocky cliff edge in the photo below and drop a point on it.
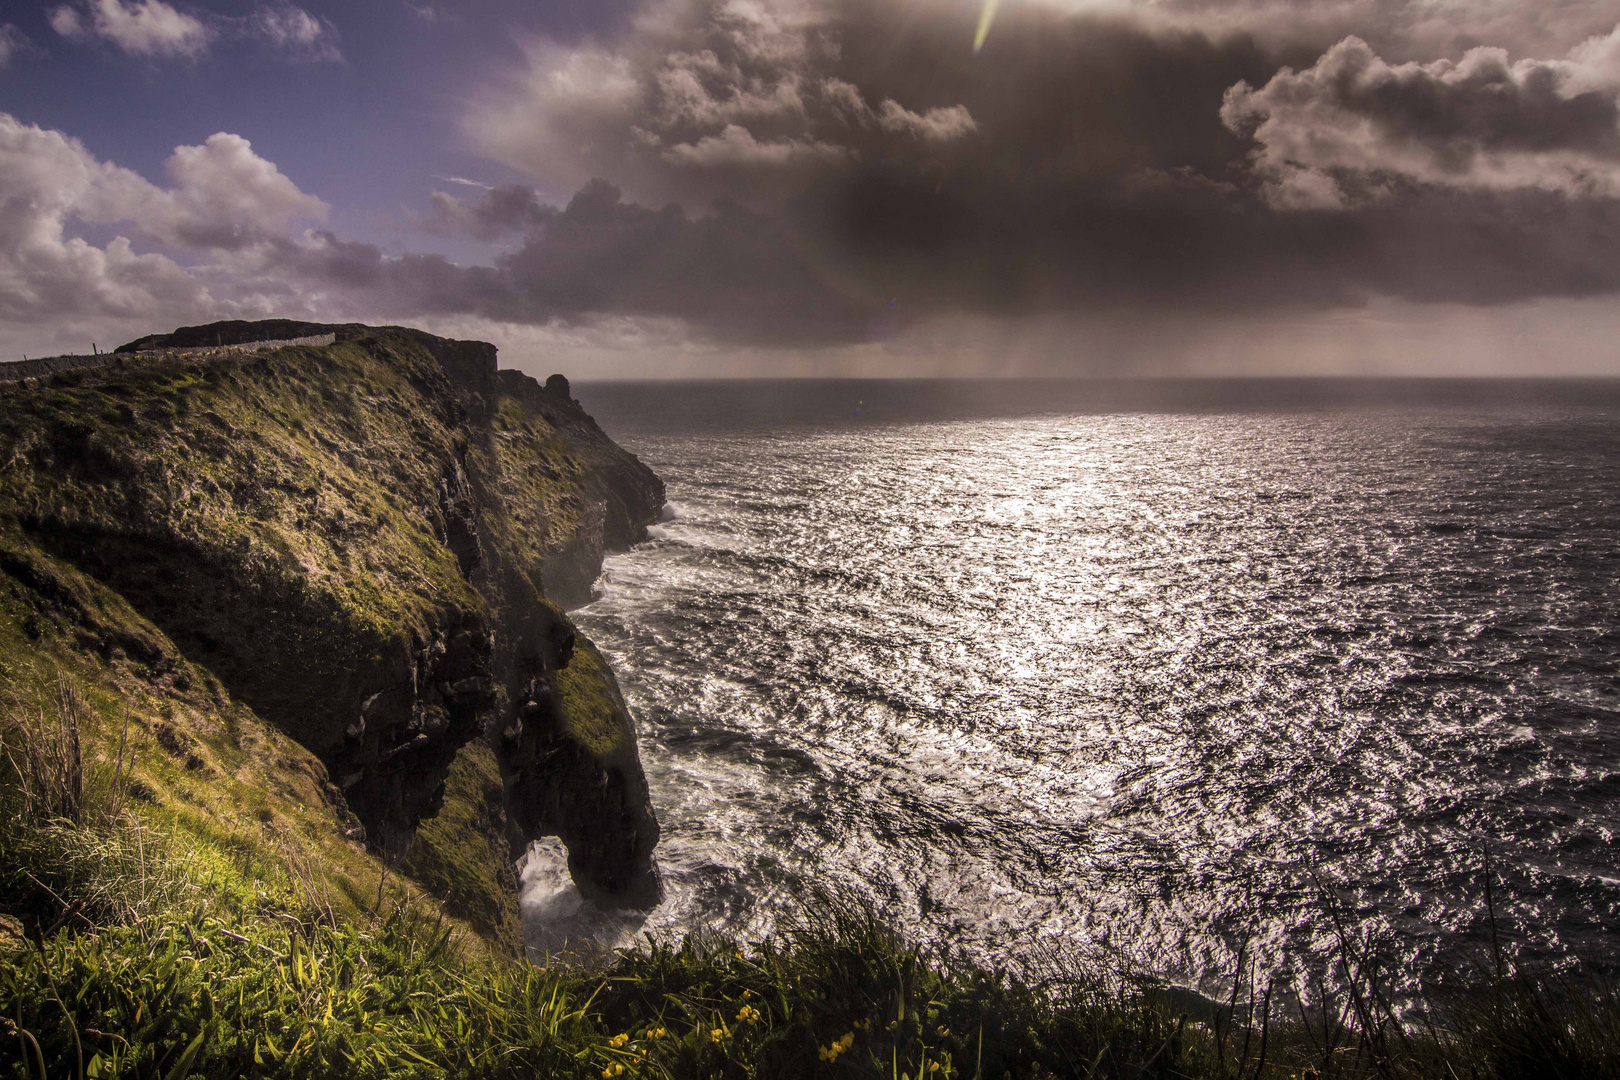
(365, 547)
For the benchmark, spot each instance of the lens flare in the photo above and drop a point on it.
(986, 17)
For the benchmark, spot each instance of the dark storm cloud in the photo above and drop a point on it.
(1074, 163)
(793, 172)
(498, 212)
(732, 271)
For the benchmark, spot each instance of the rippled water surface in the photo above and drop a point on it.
(1148, 680)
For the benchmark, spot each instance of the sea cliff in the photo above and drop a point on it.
(324, 585)
(285, 681)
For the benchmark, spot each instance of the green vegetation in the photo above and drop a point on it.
(539, 482)
(461, 856)
(593, 714)
(133, 951)
(224, 557)
(299, 485)
(191, 762)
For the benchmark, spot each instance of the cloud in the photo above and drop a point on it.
(1082, 161)
(730, 274)
(564, 118)
(226, 196)
(139, 27)
(935, 125)
(223, 199)
(1399, 30)
(223, 240)
(748, 98)
(223, 196)
(45, 275)
(428, 13)
(12, 42)
(297, 33)
(1333, 130)
(782, 173)
(153, 28)
(736, 148)
(500, 211)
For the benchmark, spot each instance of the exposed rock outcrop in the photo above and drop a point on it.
(625, 496)
(574, 773)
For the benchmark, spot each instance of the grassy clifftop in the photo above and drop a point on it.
(313, 580)
(280, 515)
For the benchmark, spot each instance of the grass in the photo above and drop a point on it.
(84, 743)
(592, 715)
(239, 551)
(297, 485)
(148, 955)
(154, 945)
(459, 853)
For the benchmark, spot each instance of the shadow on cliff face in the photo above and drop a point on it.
(241, 552)
(574, 773)
(357, 540)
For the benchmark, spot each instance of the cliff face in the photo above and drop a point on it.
(368, 544)
(622, 494)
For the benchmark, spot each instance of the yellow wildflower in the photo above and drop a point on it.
(717, 1034)
(747, 1014)
(619, 1040)
(839, 1045)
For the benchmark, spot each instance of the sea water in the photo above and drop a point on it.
(1163, 671)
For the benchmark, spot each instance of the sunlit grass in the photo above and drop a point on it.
(128, 949)
(147, 957)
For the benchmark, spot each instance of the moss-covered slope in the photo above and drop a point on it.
(346, 544)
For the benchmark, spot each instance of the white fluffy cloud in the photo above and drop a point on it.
(140, 27)
(224, 196)
(222, 201)
(153, 28)
(1343, 128)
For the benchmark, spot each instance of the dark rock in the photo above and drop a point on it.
(394, 758)
(633, 494)
(573, 773)
(459, 519)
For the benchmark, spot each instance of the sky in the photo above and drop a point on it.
(698, 188)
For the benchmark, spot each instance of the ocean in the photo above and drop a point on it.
(1159, 673)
